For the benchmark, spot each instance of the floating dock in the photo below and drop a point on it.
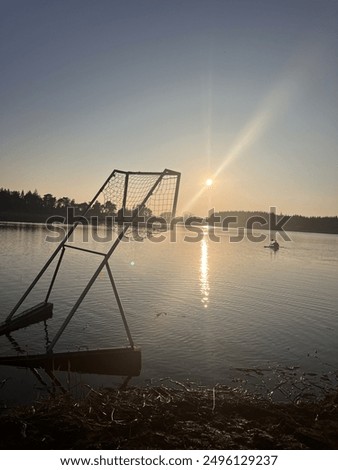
(117, 361)
(35, 314)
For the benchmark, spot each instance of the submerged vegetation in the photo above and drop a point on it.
(285, 408)
(171, 418)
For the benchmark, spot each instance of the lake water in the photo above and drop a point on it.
(199, 311)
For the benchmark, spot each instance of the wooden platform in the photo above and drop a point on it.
(35, 314)
(121, 361)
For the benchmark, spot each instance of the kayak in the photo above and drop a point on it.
(272, 247)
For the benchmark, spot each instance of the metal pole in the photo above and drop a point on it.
(102, 264)
(124, 202)
(85, 250)
(55, 274)
(119, 303)
(71, 230)
(85, 291)
(176, 193)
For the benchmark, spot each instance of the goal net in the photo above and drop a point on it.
(144, 193)
(126, 195)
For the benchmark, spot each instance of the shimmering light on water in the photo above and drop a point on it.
(204, 270)
(198, 310)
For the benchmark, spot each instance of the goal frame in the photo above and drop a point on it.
(61, 248)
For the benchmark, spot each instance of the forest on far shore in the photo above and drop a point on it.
(19, 206)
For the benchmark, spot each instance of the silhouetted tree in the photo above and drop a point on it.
(81, 207)
(144, 212)
(96, 209)
(49, 202)
(109, 208)
(33, 201)
(63, 202)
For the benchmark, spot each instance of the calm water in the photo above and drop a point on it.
(199, 311)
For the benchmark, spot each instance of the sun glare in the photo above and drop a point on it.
(209, 182)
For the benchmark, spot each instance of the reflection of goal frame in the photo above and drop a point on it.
(155, 181)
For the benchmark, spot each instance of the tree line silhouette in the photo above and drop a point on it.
(31, 207)
(30, 202)
(294, 223)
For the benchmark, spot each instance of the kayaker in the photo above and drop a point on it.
(274, 244)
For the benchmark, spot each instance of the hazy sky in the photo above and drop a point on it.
(242, 91)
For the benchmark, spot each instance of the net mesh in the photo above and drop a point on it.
(125, 192)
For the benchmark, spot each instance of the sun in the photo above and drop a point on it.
(209, 182)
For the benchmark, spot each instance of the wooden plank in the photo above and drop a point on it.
(117, 361)
(35, 314)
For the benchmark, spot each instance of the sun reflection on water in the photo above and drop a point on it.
(204, 273)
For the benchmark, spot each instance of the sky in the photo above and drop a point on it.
(243, 92)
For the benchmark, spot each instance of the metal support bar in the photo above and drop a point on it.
(176, 194)
(62, 243)
(154, 173)
(85, 291)
(30, 288)
(55, 274)
(55, 381)
(85, 249)
(124, 202)
(119, 303)
(101, 266)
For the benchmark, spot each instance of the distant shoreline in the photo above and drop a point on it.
(16, 206)
(328, 225)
